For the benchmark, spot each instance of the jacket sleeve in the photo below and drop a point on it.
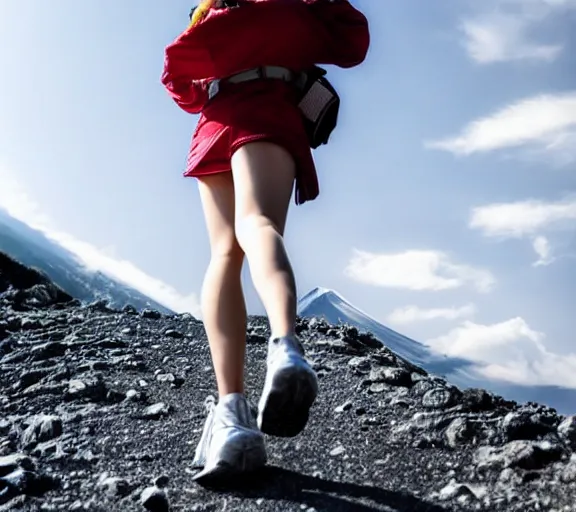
(183, 65)
(190, 95)
(346, 36)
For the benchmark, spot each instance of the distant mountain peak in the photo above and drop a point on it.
(330, 305)
(319, 290)
(319, 293)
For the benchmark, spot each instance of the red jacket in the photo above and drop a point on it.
(295, 34)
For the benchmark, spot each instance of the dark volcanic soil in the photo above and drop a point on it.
(101, 410)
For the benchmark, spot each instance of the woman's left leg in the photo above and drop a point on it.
(223, 305)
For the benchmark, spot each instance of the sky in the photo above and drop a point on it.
(447, 208)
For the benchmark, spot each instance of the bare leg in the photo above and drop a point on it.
(223, 306)
(263, 179)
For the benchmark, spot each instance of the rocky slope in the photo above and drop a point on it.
(100, 410)
(34, 249)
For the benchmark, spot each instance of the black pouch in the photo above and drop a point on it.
(319, 104)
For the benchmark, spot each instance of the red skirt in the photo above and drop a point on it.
(259, 110)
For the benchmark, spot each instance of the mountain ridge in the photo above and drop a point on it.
(333, 307)
(33, 248)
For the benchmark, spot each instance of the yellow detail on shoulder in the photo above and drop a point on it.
(201, 11)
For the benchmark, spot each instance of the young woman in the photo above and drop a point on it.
(235, 65)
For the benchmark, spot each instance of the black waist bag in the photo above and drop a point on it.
(319, 104)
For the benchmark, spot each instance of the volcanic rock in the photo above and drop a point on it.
(101, 409)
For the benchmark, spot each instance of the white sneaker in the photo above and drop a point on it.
(290, 388)
(231, 442)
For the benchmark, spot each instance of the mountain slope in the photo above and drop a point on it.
(330, 305)
(101, 410)
(33, 248)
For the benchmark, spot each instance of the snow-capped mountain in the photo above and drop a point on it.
(32, 248)
(330, 305)
(335, 309)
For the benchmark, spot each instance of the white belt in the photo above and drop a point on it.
(275, 72)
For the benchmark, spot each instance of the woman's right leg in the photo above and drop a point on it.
(263, 181)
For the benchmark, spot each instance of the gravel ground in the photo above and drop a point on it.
(101, 410)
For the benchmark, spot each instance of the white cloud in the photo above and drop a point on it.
(559, 150)
(545, 125)
(541, 246)
(17, 202)
(412, 314)
(530, 218)
(479, 342)
(416, 270)
(500, 38)
(510, 351)
(503, 30)
(522, 218)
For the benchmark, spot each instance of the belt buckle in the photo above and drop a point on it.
(213, 88)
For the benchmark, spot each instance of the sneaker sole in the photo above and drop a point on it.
(284, 410)
(249, 461)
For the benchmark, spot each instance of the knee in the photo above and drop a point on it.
(250, 225)
(228, 250)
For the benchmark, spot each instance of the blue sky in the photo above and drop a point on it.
(448, 193)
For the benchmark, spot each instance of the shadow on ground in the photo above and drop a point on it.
(274, 483)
